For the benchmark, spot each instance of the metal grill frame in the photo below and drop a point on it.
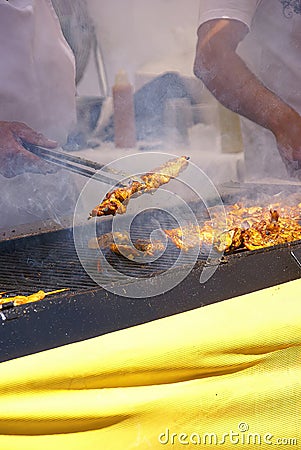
(75, 316)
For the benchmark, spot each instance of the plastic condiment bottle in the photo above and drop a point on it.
(231, 137)
(124, 114)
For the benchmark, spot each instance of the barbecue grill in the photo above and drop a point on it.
(46, 259)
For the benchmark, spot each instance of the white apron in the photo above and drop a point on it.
(36, 68)
(37, 86)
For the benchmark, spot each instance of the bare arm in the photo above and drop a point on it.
(229, 79)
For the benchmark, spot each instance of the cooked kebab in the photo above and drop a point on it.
(250, 227)
(119, 243)
(271, 232)
(105, 240)
(162, 175)
(23, 299)
(148, 248)
(116, 201)
(229, 240)
(247, 227)
(189, 237)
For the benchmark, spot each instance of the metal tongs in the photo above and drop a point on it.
(79, 165)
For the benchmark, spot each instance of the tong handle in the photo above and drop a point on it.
(76, 164)
(41, 151)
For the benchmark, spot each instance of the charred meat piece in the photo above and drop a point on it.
(23, 299)
(148, 248)
(119, 243)
(206, 236)
(229, 240)
(162, 175)
(253, 239)
(185, 238)
(274, 215)
(116, 201)
(267, 233)
(250, 227)
(105, 240)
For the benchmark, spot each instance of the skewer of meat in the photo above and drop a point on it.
(116, 201)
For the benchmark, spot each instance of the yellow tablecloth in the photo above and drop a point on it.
(226, 375)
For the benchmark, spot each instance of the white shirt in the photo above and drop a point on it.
(37, 86)
(37, 70)
(272, 50)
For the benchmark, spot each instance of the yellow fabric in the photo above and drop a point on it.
(227, 366)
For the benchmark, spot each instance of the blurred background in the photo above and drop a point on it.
(154, 44)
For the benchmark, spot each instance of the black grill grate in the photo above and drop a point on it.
(49, 261)
(47, 266)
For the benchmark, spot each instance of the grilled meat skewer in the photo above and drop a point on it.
(116, 201)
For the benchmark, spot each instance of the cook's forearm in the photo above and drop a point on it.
(229, 79)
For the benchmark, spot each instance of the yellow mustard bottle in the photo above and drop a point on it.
(231, 136)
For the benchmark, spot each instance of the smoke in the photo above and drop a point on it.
(30, 198)
(149, 39)
(138, 33)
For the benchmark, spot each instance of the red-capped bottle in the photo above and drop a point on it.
(124, 113)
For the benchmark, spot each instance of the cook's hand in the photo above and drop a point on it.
(288, 136)
(14, 158)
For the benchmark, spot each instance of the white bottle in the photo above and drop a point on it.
(230, 130)
(124, 113)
